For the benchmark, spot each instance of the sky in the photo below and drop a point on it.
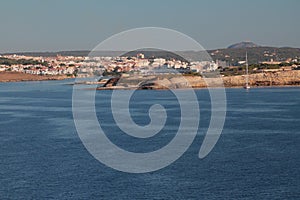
(55, 25)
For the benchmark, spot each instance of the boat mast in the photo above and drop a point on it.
(247, 75)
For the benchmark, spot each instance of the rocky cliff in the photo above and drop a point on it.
(255, 80)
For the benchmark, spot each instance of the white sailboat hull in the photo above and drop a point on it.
(247, 87)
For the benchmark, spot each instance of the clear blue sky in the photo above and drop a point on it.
(50, 25)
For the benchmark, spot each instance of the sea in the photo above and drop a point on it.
(42, 156)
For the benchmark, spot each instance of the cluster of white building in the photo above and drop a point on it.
(84, 66)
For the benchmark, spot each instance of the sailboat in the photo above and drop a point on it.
(247, 86)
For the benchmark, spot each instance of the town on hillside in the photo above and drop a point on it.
(141, 63)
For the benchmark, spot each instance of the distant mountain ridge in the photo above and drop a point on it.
(255, 54)
(232, 55)
(241, 45)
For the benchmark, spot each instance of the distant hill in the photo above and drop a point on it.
(255, 54)
(241, 45)
(232, 55)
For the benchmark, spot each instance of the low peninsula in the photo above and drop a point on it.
(19, 76)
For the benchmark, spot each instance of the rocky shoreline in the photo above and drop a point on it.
(280, 78)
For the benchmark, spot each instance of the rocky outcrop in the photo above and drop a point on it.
(259, 79)
(178, 81)
(265, 79)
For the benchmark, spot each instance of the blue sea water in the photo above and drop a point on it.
(41, 155)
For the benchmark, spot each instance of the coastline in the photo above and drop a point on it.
(196, 88)
(259, 80)
(280, 79)
(20, 77)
